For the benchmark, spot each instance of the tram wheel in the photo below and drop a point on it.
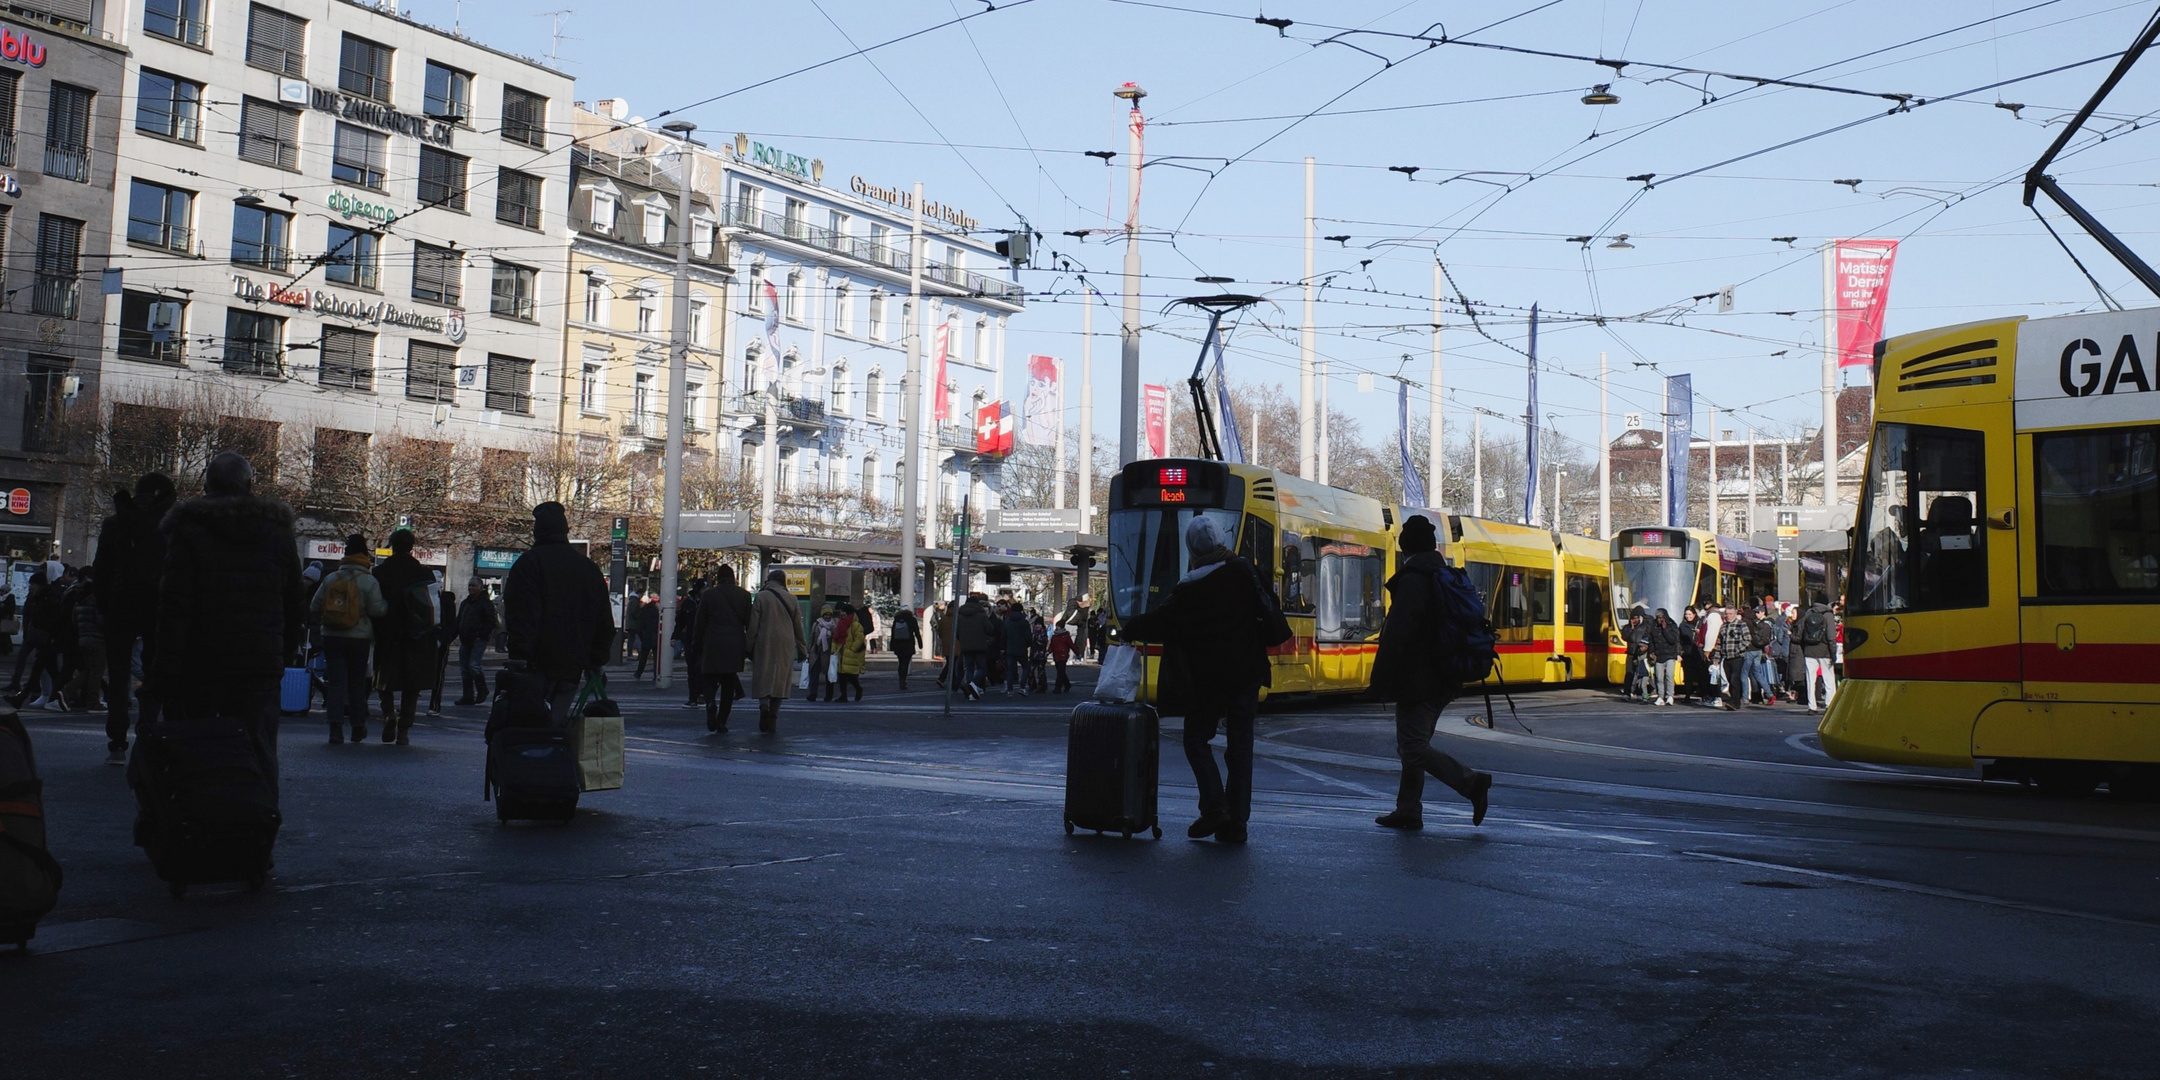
(2066, 781)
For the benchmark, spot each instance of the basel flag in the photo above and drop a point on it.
(1856, 287)
(993, 430)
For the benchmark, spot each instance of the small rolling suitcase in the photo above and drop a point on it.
(532, 774)
(29, 876)
(1112, 763)
(206, 810)
(296, 691)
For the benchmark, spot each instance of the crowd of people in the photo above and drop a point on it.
(1731, 657)
(1008, 644)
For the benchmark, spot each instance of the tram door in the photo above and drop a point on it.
(2093, 571)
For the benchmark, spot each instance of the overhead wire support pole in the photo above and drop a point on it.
(1129, 330)
(2037, 178)
(1435, 434)
(1308, 460)
(678, 402)
(911, 418)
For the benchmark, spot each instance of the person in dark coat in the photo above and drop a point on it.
(230, 606)
(685, 624)
(476, 623)
(974, 631)
(130, 555)
(1213, 666)
(446, 635)
(902, 637)
(555, 611)
(721, 642)
(1666, 642)
(645, 631)
(41, 614)
(405, 637)
(1406, 671)
(1019, 638)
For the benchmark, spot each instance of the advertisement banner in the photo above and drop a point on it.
(1679, 433)
(1858, 273)
(941, 399)
(1155, 419)
(1413, 485)
(1040, 408)
(769, 364)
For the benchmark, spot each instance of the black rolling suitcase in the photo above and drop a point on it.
(206, 810)
(1113, 759)
(532, 766)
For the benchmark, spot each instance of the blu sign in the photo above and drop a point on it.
(2087, 369)
(16, 45)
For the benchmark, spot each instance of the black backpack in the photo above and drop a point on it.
(1468, 652)
(1814, 628)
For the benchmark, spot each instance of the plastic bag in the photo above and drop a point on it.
(1123, 669)
(802, 674)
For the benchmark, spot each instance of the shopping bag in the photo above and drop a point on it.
(596, 730)
(832, 668)
(1123, 670)
(802, 674)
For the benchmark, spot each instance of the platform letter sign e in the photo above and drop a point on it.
(2082, 368)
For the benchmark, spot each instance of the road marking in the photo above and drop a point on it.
(1927, 890)
(94, 933)
(724, 866)
(1312, 774)
(1629, 753)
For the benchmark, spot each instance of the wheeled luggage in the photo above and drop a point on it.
(29, 876)
(206, 810)
(296, 691)
(1113, 761)
(532, 774)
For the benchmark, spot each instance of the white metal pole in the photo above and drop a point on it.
(1784, 476)
(911, 414)
(1057, 491)
(1604, 448)
(1559, 479)
(1829, 374)
(1087, 407)
(1477, 464)
(1129, 330)
(678, 372)
(1323, 418)
(1435, 436)
(1308, 453)
(1751, 479)
(1713, 526)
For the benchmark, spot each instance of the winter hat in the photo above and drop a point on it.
(356, 544)
(228, 474)
(1203, 537)
(1417, 536)
(551, 523)
(312, 574)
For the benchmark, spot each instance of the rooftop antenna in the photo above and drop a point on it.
(556, 35)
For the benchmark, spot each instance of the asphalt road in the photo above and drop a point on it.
(884, 890)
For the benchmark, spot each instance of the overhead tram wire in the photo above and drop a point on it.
(990, 74)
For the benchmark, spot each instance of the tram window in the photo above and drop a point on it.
(1485, 577)
(1922, 549)
(1513, 609)
(1349, 606)
(1541, 599)
(2099, 512)
(1257, 545)
(1729, 591)
(1706, 588)
(1297, 576)
(1583, 598)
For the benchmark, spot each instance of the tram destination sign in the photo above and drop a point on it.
(2075, 370)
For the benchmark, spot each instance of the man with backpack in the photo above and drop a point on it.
(1434, 639)
(405, 641)
(346, 605)
(1818, 638)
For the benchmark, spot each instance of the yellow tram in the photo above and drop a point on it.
(1674, 569)
(2006, 555)
(1329, 552)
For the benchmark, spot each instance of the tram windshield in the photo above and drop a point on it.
(1651, 584)
(1148, 556)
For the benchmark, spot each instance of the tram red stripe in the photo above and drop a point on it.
(1994, 663)
(2092, 662)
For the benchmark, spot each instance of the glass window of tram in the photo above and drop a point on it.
(1921, 548)
(1148, 556)
(2098, 514)
(1297, 574)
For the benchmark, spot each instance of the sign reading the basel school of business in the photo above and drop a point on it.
(378, 312)
(905, 200)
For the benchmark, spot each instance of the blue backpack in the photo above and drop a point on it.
(1464, 638)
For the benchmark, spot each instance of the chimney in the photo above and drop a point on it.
(612, 108)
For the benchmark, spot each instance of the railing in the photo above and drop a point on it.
(68, 162)
(765, 221)
(7, 149)
(269, 258)
(252, 358)
(54, 295)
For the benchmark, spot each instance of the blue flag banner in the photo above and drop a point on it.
(1413, 485)
(1679, 433)
(1530, 440)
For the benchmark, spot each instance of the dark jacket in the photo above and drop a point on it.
(646, 621)
(904, 634)
(555, 611)
(1209, 627)
(721, 639)
(130, 556)
(1404, 669)
(476, 619)
(1019, 635)
(1827, 647)
(1666, 640)
(404, 639)
(45, 609)
(230, 598)
(974, 628)
(86, 627)
(446, 616)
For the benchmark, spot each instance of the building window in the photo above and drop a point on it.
(701, 238)
(754, 291)
(840, 388)
(505, 477)
(270, 134)
(513, 289)
(787, 470)
(43, 399)
(524, 117)
(749, 199)
(601, 217)
(874, 395)
(590, 380)
(347, 359)
(430, 372)
(648, 309)
(438, 274)
(277, 41)
(364, 69)
(839, 223)
(693, 405)
(843, 310)
(169, 105)
(699, 309)
(793, 308)
(876, 329)
(449, 94)
(67, 133)
(359, 156)
(837, 482)
(59, 264)
(655, 231)
(792, 217)
(641, 402)
(353, 257)
(596, 299)
(254, 342)
(179, 20)
(160, 216)
(982, 343)
(341, 459)
(870, 478)
(517, 199)
(10, 100)
(262, 237)
(153, 327)
(880, 241)
(442, 178)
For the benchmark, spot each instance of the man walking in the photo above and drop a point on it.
(901, 637)
(776, 642)
(1214, 663)
(721, 643)
(476, 623)
(405, 637)
(229, 606)
(644, 633)
(130, 556)
(1817, 645)
(346, 605)
(446, 635)
(555, 611)
(974, 630)
(1410, 671)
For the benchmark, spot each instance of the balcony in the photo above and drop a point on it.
(959, 437)
(268, 258)
(54, 295)
(68, 162)
(7, 149)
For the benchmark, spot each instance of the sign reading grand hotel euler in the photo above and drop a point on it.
(905, 200)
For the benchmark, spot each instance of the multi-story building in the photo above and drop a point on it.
(341, 246)
(60, 100)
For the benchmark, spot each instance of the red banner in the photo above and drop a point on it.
(1858, 276)
(1155, 405)
(941, 401)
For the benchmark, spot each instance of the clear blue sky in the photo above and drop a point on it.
(995, 115)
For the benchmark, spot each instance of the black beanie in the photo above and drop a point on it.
(1417, 535)
(551, 523)
(228, 474)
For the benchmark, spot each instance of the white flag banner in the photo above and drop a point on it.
(1039, 410)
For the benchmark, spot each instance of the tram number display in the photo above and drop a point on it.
(1152, 483)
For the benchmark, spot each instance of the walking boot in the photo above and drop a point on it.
(359, 733)
(1206, 826)
(1478, 798)
(404, 733)
(390, 730)
(1399, 820)
(337, 733)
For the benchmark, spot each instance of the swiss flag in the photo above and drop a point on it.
(993, 430)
